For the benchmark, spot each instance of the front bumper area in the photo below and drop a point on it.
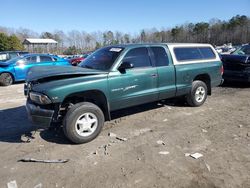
(39, 116)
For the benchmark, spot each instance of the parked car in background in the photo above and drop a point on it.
(75, 61)
(16, 69)
(237, 65)
(115, 77)
(7, 55)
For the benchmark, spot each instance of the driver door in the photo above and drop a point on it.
(136, 85)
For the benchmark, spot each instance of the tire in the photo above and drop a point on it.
(6, 79)
(198, 94)
(83, 122)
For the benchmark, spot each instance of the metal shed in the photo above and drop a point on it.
(40, 45)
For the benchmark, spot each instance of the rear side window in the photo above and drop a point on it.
(193, 53)
(186, 54)
(207, 53)
(161, 57)
(31, 59)
(138, 57)
(45, 58)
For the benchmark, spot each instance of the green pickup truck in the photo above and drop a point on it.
(115, 77)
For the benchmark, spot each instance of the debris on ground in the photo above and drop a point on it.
(169, 108)
(160, 142)
(204, 130)
(164, 152)
(38, 185)
(113, 142)
(240, 126)
(196, 155)
(121, 139)
(142, 131)
(187, 154)
(248, 134)
(27, 137)
(43, 161)
(113, 135)
(165, 120)
(12, 184)
(105, 150)
(208, 167)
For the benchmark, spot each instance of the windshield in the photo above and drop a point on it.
(102, 59)
(244, 50)
(12, 60)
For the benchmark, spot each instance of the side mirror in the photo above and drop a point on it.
(125, 65)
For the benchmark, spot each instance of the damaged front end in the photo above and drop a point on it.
(41, 111)
(44, 106)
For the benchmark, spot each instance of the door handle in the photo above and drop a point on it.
(154, 75)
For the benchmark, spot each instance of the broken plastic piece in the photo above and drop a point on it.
(43, 161)
(160, 142)
(121, 139)
(164, 152)
(12, 184)
(112, 135)
(196, 155)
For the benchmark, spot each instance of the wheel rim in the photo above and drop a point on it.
(8, 79)
(86, 124)
(200, 94)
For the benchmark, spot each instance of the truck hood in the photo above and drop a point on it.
(49, 73)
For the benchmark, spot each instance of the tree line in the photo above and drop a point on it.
(217, 32)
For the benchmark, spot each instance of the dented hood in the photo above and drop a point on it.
(59, 72)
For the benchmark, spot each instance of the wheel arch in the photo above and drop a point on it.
(96, 97)
(206, 79)
(12, 75)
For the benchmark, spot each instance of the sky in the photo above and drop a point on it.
(115, 15)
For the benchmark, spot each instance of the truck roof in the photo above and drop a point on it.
(167, 44)
(171, 47)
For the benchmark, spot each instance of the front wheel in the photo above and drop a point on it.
(83, 122)
(6, 79)
(198, 94)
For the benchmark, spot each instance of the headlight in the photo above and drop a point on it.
(39, 98)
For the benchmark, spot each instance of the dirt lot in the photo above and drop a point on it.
(220, 130)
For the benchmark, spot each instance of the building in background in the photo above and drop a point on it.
(40, 45)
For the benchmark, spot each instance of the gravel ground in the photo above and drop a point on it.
(160, 137)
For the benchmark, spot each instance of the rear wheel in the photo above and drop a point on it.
(6, 79)
(198, 94)
(83, 122)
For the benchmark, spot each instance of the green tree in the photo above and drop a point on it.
(70, 50)
(9, 42)
(3, 42)
(15, 43)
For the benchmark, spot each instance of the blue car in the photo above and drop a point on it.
(16, 69)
